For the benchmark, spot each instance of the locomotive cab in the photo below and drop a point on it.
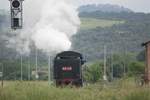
(68, 68)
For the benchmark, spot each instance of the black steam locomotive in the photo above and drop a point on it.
(68, 68)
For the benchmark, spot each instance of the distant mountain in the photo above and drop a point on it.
(103, 8)
(122, 32)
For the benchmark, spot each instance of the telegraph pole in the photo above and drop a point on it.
(2, 74)
(112, 67)
(105, 69)
(21, 67)
(49, 68)
(36, 64)
(124, 68)
(29, 67)
(124, 54)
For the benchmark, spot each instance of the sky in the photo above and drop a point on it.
(135, 5)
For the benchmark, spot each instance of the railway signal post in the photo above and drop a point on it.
(16, 10)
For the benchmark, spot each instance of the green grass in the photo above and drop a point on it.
(91, 23)
(42, 91)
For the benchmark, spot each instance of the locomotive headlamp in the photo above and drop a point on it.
(16, 4)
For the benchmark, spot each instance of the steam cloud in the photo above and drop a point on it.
(48, 24)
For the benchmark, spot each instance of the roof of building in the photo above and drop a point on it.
(145, 43)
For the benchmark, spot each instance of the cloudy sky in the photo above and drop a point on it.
(135, 5)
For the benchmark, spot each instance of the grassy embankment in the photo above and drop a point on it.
(92, 23)
(122, 90)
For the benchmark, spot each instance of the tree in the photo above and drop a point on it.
(93, 72)
(141, 56)
(136, 68)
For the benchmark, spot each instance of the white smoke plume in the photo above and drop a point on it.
(48, 24)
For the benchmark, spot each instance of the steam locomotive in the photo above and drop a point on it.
(68, 68)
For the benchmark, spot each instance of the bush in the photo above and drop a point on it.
(136, 68)
(93, 72)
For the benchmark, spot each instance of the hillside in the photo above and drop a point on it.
(92, 23)
(121, 32)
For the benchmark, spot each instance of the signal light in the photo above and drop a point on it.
(16, 22)
(16, 4)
